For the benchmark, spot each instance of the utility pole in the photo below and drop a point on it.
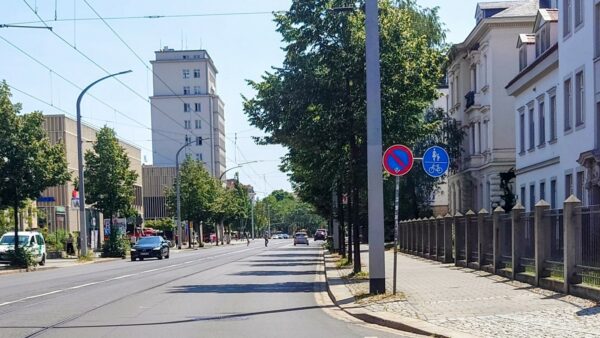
(374, 152)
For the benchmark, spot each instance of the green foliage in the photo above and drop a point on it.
(29, 163)
(286, 213)
(57, 240)
(315, 104)
(108, 180)
(509, 199)
(163, 224)
(116, 246)
(21, 258)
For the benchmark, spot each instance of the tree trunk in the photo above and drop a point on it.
(356, 225)
(350, 220)
(341, 221)
(217, 234)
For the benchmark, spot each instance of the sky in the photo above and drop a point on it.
(45, 69)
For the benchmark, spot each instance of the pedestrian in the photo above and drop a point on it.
(247, 239)
(70, 248)
(78, 244)
(266, 239)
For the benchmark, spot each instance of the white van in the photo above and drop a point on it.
(32, 240)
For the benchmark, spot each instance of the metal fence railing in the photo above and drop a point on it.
(488, 245)
(473, 237)
(439, 228)
(459, 225)
(589, 267)
(505, 240)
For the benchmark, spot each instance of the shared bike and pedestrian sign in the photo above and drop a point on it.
(398, 160)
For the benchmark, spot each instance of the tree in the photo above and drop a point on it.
(315, 105)
(109, 183)
(29, 163)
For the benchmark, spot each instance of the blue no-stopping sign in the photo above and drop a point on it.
(436, 161)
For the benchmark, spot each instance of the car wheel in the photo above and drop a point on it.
(43, 261)
(160, 256)
(133, 259)
(168, 253)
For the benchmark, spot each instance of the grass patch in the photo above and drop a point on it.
(358, 275)
(365, 298)
(87, 258)
(342, 263)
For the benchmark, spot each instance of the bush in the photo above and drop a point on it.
(57, 240)
(116, 246)
(22, 258)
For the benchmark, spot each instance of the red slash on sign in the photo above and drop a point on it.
(398, 160)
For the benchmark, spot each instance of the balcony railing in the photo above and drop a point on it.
(470, 99)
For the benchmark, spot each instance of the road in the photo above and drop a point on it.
(232, 291)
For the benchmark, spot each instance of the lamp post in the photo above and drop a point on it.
(82, 225)
(239, 165)
(179, 193)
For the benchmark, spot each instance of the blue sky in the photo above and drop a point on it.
(242, 47)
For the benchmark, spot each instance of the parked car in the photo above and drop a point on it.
(301, 238)
(285, 236)
(33, 241)
(275, 237)
(320, 235)
(150, 246)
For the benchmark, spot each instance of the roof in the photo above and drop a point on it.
(526, 38)
(543, 16)
(511, 8)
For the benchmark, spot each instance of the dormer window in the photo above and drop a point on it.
(542, 40)
(523, 57)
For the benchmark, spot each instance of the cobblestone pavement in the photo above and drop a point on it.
(479, 303)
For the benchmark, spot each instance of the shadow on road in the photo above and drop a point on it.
(251, 288)
(233, 316)
(275, 273)
(292, 255)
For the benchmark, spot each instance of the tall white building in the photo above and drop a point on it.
(557, 106)
(186, 108)
(479, 69)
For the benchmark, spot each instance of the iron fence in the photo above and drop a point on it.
(439, 226)
(554, 265)
(473, 238)
(505, 240)
(528, 222)
(487, 247)
(426, 233)
(589, 267)
(459, 224)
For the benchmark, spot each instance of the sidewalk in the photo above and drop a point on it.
(444, 300)
(55, 264)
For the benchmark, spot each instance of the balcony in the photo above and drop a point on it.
(469, 99)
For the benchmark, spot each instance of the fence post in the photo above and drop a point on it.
(517, 238)
(439, 236)
(431, 224)
(496, 237)
(572, 240)
(447, 238)
(542, 235)
(457, 215)
(422, 222)
(469, 242)
(413, 236)
(480, 234)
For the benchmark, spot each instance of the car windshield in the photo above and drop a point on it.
(10, 239)
(149, 241)
(300, 235)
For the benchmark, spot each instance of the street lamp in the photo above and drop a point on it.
(179, 194)
(239, 165)
(82, 225)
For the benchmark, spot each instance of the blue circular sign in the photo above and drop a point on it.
(436, 161)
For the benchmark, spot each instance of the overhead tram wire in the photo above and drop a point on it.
(104, 69)
(151, 17)
(79, 87)
(154, 74)
(74, 117)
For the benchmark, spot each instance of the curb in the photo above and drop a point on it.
(410, 325)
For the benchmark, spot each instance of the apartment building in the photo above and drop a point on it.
(479, 69)
(156, 181)
(187, 109)
(556, 113)
(56, 202)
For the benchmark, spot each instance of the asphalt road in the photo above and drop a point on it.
(232, 291)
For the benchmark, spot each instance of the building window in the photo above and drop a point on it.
(522, 131)
(186, 90)
(568, 185)
(523, 196)
(479, 137)
(198, 124)
(186, 73)
(523, 57)
(187, 124)
(185, 57)
(188, 139)
(197, 107)
(568, 104)
(578, 13)
(543, 191)
(580, 185)
(567, 17)
(597, 29)
(531, 196)
(485, 69)
(474, 78)
(198, 140)
(473, 139)
(187, 108)
(531, 129)
(197, 90)
(579, 99)
(553, 194)
(196, 73)
(542, 122)
(199, 157)
(486, 143)
(552, 117)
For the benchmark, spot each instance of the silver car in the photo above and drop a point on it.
(301, 238)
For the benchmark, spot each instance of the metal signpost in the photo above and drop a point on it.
(397, 161)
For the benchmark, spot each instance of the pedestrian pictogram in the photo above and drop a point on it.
(398, 160)
(436, 161)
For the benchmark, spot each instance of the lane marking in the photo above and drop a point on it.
(123, 276)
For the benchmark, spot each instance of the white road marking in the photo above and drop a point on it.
(121, 277)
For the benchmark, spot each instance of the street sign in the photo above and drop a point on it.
(436, 161)
(398, 160)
